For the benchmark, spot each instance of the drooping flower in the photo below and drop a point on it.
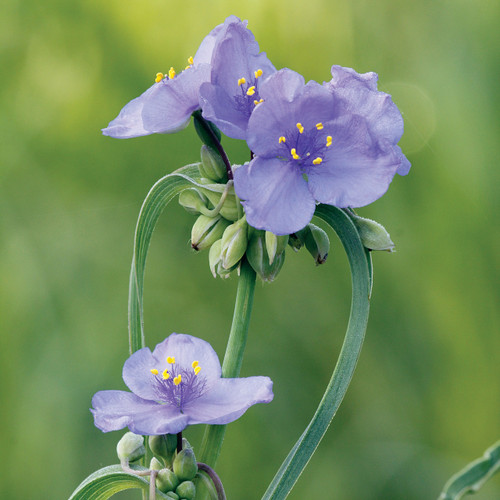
(166, 107)
(176, 385)
(237, 71)
(334, 143)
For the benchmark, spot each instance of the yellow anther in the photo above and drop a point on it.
(300, 127)
(171, 73)
(197, 370)
(251, 90)
(317, 160)
(178, 379)
(241, 81)
(294, 154)
(258, 102)
(165, 374)
(154, 371)
(319, 126)
(258, 73)
(159, 77)
(171, 360)
(188, 66)
(194, 364)
(282, 139)
(191, 60)
(329, 140)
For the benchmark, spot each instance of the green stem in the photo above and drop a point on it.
(214, 434)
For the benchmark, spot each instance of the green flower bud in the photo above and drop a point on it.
(166, 480)
(207, 131)
(212, 167)
(234, 243)
(130, 447)
(297, 240)
(317, 243)
(186, 444)
(229, 209)
(172, 495)
(193, 201)
(186, 490)
(373, 235)
(155, 464)
(215, 261)
(207, 230)
(259, 259)
(275, 245)
(164, 446)
(185, 466)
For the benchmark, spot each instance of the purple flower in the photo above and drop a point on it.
(333, 143)
(166, 107)
(177, 385)
(238, 69)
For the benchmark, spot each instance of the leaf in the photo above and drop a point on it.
(361, 271)
(105, 482)
(473, 476)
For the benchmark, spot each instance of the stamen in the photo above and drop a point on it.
(317, 160)
(282, 139)
(300, 127)
(258, 73)
(241, 81)
(258, 102)
(194, 364)
(197, 370)
(178, 379)
(165, 374)
(329, 140)
(154, 371)
(159, 77)
(251, 90)
(171, 73)
(190, 60)
(294, 154)
(171, 360)
(319, 126)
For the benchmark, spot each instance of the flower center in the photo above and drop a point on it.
(305, 146)
(248, 96)
(178, 385)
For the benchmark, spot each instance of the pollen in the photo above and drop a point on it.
(251, 90)
(300, 127)
(317, 161)
(282, 139)
(241, 81)
(178, 379)
(329, 140)
(258, 102)
(171, 73)
(159, 77)
(154, 371)
(319, 126)
(294, 154)
(197, 370)
(165, 374)
(190, 60)
(194, 364)
(171, 360)
(258, 73)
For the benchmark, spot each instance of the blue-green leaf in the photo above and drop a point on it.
(473, 476)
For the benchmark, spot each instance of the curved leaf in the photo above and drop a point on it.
(473, 476)
(105, 482)
(361, 270)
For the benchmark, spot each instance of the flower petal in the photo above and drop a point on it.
(137, 373)
(276, 196)
(229, 399)
(114, 410)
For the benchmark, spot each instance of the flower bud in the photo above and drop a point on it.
(193, 201)
(297, 240)
(172, 495)
(259, 259)
(229, 209)
(130, 447)
(215, 262)
(186, 490)
(207, 131)
(163, 446)
(207, 230)
(166, 480)
(317, 243)
(275, 245)
(155, 464)
(234, 243)
(212, 167)
(373, 235)
(185, 466)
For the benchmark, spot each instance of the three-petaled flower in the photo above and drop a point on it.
(176, 385)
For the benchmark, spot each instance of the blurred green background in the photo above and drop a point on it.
(425, 399)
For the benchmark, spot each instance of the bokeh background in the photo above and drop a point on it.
(425, 399)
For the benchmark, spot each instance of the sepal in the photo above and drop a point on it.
(207, 230)
(130, 447)
(373, 235)
(212, 167)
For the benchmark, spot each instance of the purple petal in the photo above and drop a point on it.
(187, 349)
(229, 399)
(137, 373)
(276, 196)
(349, 78)
(114, 410)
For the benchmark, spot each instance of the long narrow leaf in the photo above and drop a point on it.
(473, 476)
(360, 264)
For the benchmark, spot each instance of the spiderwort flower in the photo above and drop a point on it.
(166, 107)
(333, 143)
(176, 385)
